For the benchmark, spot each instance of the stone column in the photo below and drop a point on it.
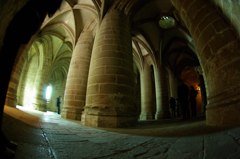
(75, 92)
(172, 84)
(218, 49)
(11, 93)
(12, 88)
(162, 93)
(22, 82)
(11, 97)
(40, 103)
(109, 101)
(146, 93)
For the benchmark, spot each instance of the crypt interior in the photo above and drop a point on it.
(117, 62)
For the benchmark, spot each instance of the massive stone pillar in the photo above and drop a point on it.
(162, 93)
(109, 101)
(11, 97)
(75, 92)
(218, 50)
(146, 93)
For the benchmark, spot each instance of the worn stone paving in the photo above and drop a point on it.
(57, 138)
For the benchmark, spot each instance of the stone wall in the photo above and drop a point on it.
(217, 46)
(231, 8)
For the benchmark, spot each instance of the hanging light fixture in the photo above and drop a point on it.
(166, 22)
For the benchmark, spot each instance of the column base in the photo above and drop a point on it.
(148, 116)
(40, 104)
(41, 107)
(108, 121)
(162, 115)
(71, 113)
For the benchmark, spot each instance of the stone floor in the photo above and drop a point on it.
(48, 136)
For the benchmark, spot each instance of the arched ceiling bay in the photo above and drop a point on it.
(54, 53)
(73, 16)
(148, 36)
(172, 45)
(146, 17)
(60, 60)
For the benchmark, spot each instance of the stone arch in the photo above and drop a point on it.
(25, 88)
(17, 35)
(146, 62)
(50, 56)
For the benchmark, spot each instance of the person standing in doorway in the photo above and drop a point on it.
(58, 104)
(172, 104)
(183, 97)
(178, 108)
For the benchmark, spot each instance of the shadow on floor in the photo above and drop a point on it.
(161, 128)
(170, 128)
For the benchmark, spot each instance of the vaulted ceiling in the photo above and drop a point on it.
(169, 43)
(156, 29)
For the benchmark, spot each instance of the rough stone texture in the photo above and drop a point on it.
(75, 93)
(109, 100)
(60, 139)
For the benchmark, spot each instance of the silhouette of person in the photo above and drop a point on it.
(172, 104)
(178, 108)
(193, 103)
(183, 98)
(58, 104)
(19, 31)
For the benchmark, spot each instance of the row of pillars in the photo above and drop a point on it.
(100, 83)
(15, 93)
(99, 88)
